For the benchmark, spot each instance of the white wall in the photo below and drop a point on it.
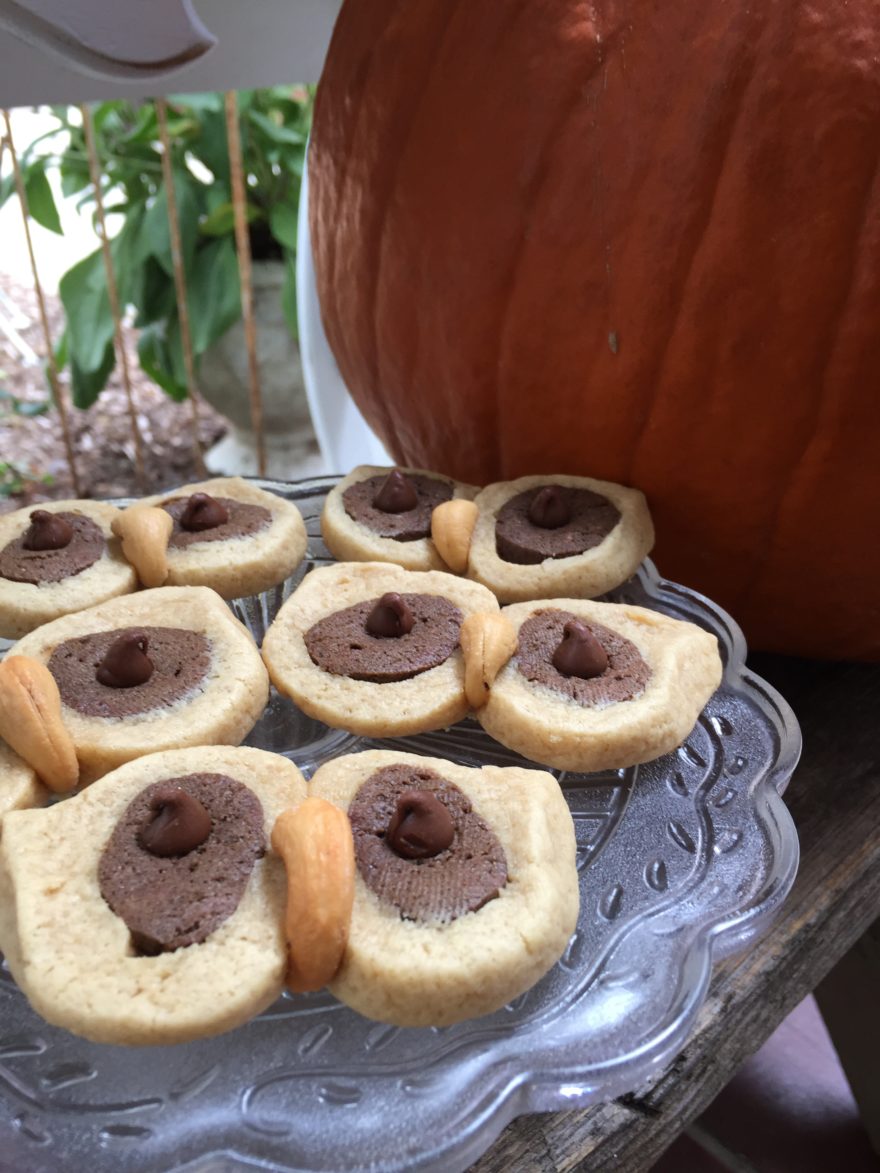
(260, 42)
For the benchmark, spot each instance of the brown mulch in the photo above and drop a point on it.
(102, 436)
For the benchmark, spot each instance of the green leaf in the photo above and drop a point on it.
(87, 385)
(107, 116)
(41, 202)
(179, 128)
(212, 148)
(62, 351)
(213, 293)
(153, 293)
(30, 407)
(161, 357)
(220, 220)
(83, 290)
(200, 103)
(288, 296)
(74, 175)
(282, 222)
(7, 187)
(276, 131)
(293, 160)
(130, 249)
(156, 223)
(146, 126)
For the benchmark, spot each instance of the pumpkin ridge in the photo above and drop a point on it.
(725, 136)
(340, 181)
(536, 183)
(402, 450)
(379, 233)
(379, 415)
(813, 434)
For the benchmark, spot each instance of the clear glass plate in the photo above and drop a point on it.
(680, 861)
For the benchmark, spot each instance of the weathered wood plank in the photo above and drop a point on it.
(834, 798)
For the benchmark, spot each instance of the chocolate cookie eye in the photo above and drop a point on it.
(555, 521)
(391, 638)
(397, 505)
(177, 665)
(169, 894)
(400, 817)
(559, 651)
(55, 546)
(203, 518)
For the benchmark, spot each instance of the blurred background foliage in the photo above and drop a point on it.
(274, 125)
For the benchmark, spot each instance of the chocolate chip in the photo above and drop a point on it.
(420, 827)
(396, 494)
(47, 531)
(178, 823)
(125, 663)
(203, 512)
(579, 653)
(550, 508)
(390, 617)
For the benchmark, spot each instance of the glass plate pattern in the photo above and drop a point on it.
(680, 861)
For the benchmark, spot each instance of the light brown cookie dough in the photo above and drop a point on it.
(236, 565)
(219, 708)
(25, 605)
(583, 575)
(433, 972)
(432, 699)
(74, 958)
(350, 540)
(19, 786)
(552, 727)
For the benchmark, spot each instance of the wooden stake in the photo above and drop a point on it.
(243, 247)
(51, 365)
(112, 291)
(180, 279)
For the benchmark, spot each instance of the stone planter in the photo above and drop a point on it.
(291, 446)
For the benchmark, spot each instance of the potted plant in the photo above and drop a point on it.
(274, 125)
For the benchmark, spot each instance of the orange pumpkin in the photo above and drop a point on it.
(628, 239)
